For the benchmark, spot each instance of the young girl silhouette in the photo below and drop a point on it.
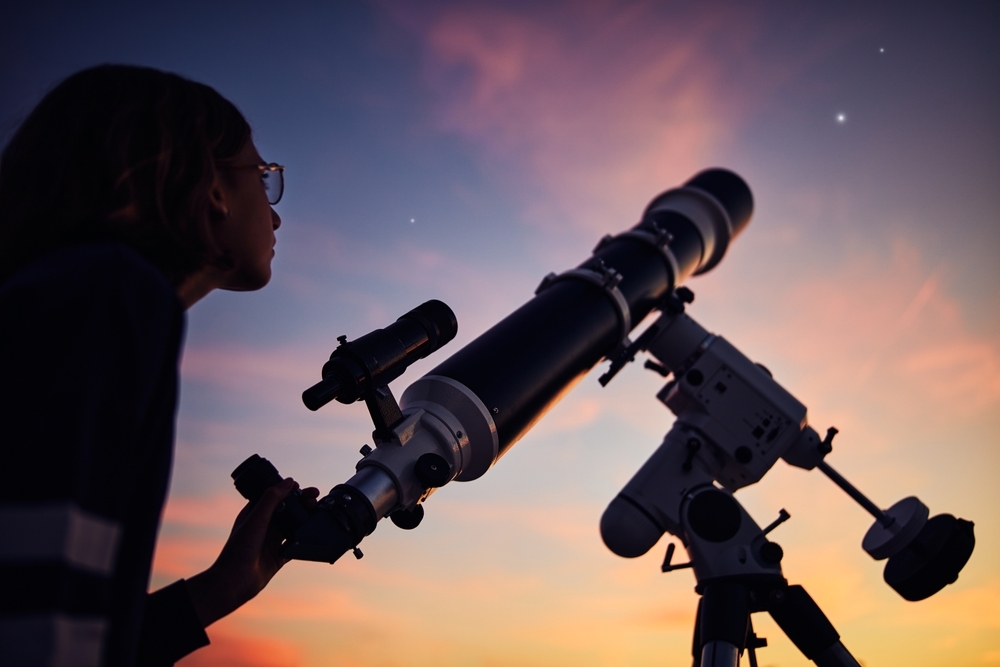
(127, 195)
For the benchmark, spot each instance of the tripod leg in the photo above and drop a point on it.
(809, 629)
(753, 642)
(723, 617)
(696, 640)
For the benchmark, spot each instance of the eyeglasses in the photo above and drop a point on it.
(272, 175)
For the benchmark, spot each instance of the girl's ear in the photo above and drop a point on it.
(218, 209)
(219, 214)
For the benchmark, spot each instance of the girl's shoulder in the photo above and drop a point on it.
(87, 296)
(88, 273)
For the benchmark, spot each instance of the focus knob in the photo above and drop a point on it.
(771, 553)
(408, 519)
(432, 470)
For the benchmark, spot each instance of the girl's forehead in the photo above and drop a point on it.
(249, 153)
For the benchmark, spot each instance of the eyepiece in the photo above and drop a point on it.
(255, 476)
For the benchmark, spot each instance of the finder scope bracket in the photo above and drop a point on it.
(384, 411)
(674, 303)
(650, 234)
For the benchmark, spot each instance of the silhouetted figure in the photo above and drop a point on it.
(125, 196)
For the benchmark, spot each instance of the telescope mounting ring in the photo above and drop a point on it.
(607, 279)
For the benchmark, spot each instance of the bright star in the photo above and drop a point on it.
(412, 220)
(881, 50)
(841, 118)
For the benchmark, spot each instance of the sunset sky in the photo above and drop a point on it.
(463, 150)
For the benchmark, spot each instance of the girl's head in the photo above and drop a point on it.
(131, 154)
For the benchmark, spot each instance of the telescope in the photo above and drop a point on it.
(456, 421)
(734, 422)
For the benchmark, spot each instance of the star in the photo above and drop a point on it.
(841, 117)
(412, 220)
(881, 50)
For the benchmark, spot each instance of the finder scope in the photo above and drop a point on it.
(378, 358)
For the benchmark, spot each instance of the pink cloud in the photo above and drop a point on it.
(217, 511)
(603, 121)
(595, 106)
(888, 327)
(275, 371)
(458, 280)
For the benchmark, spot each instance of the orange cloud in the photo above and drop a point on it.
(179, 556)
(194, 530)
(968, 610)
(881, 327)
(287, 601)
(573, 524)
(233, 649)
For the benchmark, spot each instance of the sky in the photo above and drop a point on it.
(462, 151)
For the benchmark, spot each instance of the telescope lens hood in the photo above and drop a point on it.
(730, 190)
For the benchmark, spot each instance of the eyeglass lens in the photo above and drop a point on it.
(274, 184)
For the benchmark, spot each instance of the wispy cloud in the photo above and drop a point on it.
(881, 322)
(244, 369)
(590, 108)
(216, 511)
(605, 103)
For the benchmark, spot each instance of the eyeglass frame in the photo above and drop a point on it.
(263, 167)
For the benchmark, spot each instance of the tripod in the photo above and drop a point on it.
(723, 628)
(739, 573)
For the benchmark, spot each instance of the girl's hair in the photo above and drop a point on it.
(118, 153)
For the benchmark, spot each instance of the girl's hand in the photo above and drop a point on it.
(250, 557)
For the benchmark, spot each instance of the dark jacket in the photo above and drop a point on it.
(90, 337)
